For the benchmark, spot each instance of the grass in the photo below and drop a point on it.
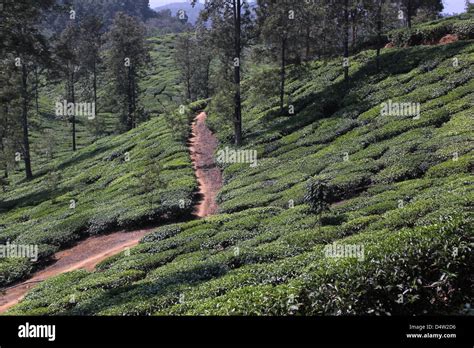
(402, 192)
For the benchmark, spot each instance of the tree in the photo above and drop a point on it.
(340, 12)
(379, 9)
(278, 24)
(411, 7)
(69, 64)
(318, 196)
(24, 46)
(237, 8)
(185, 51)
(91, 40)
(204, 53)
(9, 124)
(127, 56)
(469, 6)
(228, 19)
(193, 57)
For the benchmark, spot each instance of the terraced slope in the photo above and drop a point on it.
(402, 193)
(52, 137)
(118, 182)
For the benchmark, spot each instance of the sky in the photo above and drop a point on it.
(450, 6)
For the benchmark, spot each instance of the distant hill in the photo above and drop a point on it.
(191, 12)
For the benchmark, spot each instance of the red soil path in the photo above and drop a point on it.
(203, 145)
(90, 252)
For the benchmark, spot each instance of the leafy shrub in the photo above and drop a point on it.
(318, 196)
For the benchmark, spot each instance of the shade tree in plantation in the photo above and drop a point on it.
(229, 20)
(69, 66)
(280, 27)
(469, 6)
(410, 8)
(128, 55)
(204, 55)
(10, 125)
(185, 58)
(23, 45)
(91, 39)
(193, 56)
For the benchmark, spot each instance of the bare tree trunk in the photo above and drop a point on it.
(134, 98)
(94, 84)
(208, 67)
(308, 39)
(2, 144)
(129, 99)
(73, 119)
(282, 75)
(379, 32)
(237, 100)
(354, 29)
(409, 13)
(36, 90)
(346, 38)
(24, 119)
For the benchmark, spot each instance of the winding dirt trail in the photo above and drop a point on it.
(203, 145)
(85, 255)
(91, 251)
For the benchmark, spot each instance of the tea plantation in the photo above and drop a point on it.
(111, 183)
(400, 188)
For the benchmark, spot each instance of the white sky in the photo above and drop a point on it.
(450, 6)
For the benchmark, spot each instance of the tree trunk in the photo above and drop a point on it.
(308, 46)
(24, 123)
(379, 33)
(346, 38)
(129, 99)
(237, 101)
(188, 86)
(134, 98)
(73, 119)
(206, 89)
(2, 144)
(36, 90)
(354, 29)
(94, 84)
(282, 75)
(409, 13)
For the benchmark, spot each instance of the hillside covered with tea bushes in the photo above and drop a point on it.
(116, 183)
(400, 188)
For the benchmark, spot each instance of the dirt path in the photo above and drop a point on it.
(88, 253)
(85, 255)
(203, 145)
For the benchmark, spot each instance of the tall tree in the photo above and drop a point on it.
(237, 8)
(379, 20)
(127, 56)
(9, 124)
(279, 26)
(67, 53)
(411, 7)
(193, 56)
(185, 51)
(228, 18)
(25, 46)
(91, 39)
